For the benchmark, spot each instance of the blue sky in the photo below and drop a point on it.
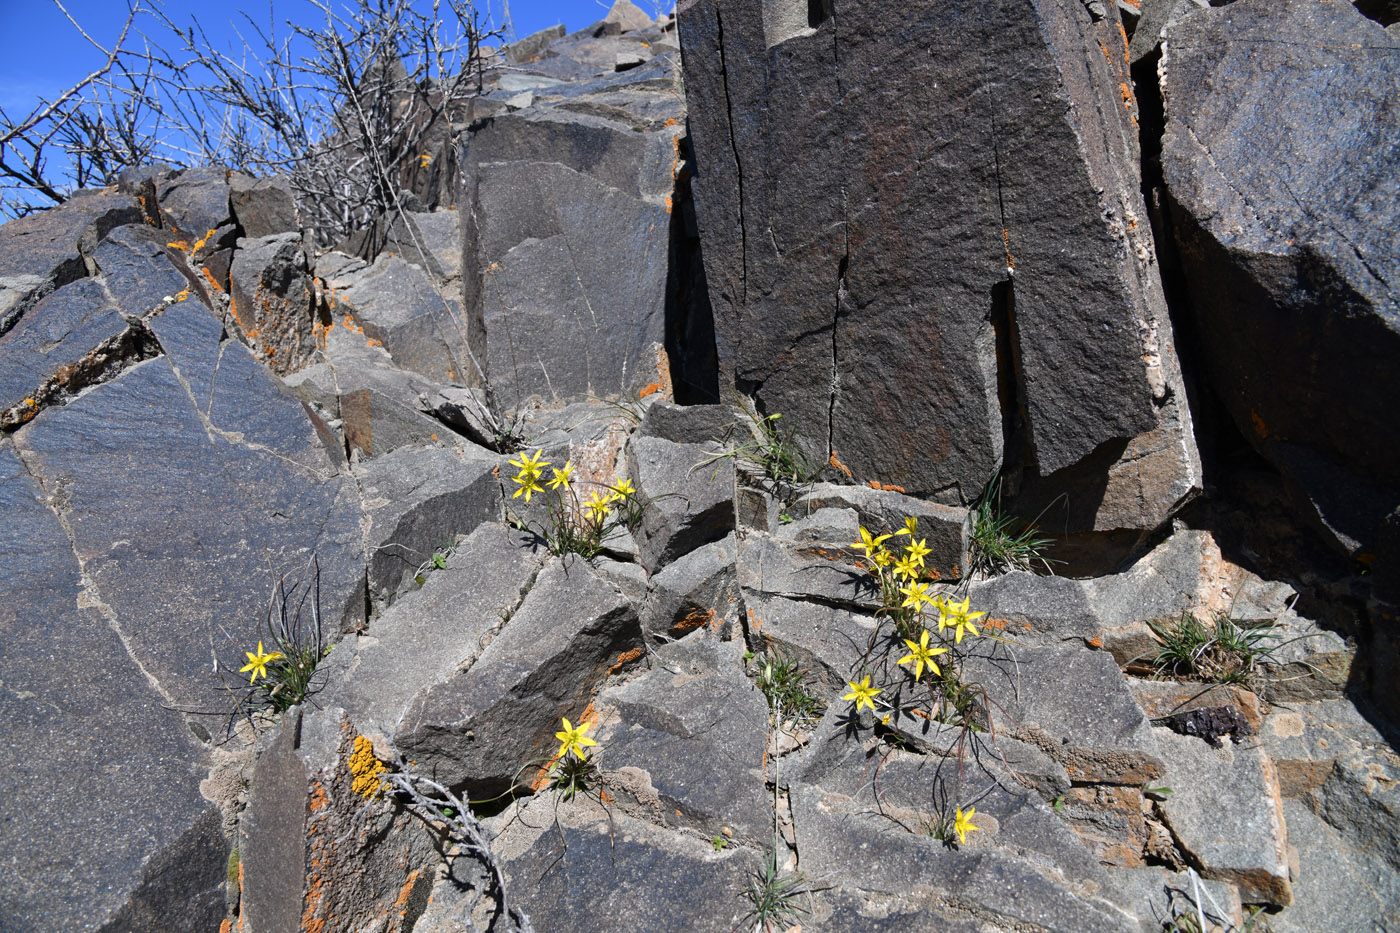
(45, 54)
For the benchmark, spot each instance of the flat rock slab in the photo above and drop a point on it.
(184, 521)
(610, 873)
(1225, 810)
(1305, 740)
(688, 502)
(832, 643)
(429, 635)
(1284, 196)
(806, 571)
(76, 710)
(418, 502)
(1071, 702)
(689, 746)
(483, 727)
(1334, 882)
(883, 511)
(699, 590)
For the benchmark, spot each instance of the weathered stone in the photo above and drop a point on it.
(1161, 699)
(194, 202)
(270, 300)
(263, 206)
(432, 241)
(1282, 206)
(65, 340)
(418, 502)
(427, 635)
(698, 590)
(1160, 897)
(686, 424)
(883, 511)
(1072, 703)
(77, 711)
(694, 709)
(567, 239)
(1032, 608)
(1333, 883)
(828, 641)
(141, 272)
(627, 15)
(1151, 29)
(395, 305)
(688, 503)
(806, 571)
(530, 47)
(1108, 820)
(1361, 797)
(244, 494)
(44, 251)
(1225, 811)
(821, 275)
(831, 526)
(621, 874)
(1305, 740)
(484, 726)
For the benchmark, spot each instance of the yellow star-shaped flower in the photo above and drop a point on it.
(529, 485)
(597, 506)
(531, 467)
(915, 595)
(956, 616)
(862, 693)
(917, 550)
(621, 490)
(257, 663)
(573, 739)
(906, 568)
(962, 824)
(920, 653)
(869, 544)
(911, 525)
(562, 477)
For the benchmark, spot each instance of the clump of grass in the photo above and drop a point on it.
(785, 685)
(772, 449)
(1001, 542)
(283, 670)
(1221, 651)
(775, 895)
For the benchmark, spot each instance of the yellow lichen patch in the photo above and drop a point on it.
(1127, 94)
(181, 245)
(365, 768)
(1124, 33)
(1006, 244)
(668, 204)
(199, 244)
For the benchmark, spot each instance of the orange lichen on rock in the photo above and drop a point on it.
(1006, 244)
(695, 619)
(1124, 33)
(837, 464)
(651, 388)
(885, 487)
(623, 659)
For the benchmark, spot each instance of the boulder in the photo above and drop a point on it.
(194, 202)
(567, 237)
(698, 590)
(263, 206)
(488, 727)
(823, 271)
(687, 503)
(1283, 205)
(883, 511)
(270, 300)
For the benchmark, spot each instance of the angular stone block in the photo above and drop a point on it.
(687, 503)
(270, 300)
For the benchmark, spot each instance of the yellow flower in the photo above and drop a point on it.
(862, 693)
(920, 653)
(956, 616)
(532, 468)
(915, 595)
(573, 740)
(917, 550)
(962, 824)
(597, 506)
(529, 484)
(883, 558)
(621, 490)
(562, 477)
(870, 545)
(906, 568)
(257, 663)
(911, 525)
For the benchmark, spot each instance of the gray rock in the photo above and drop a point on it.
(270, 300)
(883, 511)
(44, 251)
(831, 526)
(806, 571)
(77, 711)
(185, 521)
(1361, 798)
(686, 424)
(832, 643)
(530, 47)
(677, 723)
(1226, 813)
(194, 202)
(484, 727)
(698, 590)
(418, 502)
(1305, 740)
(567, 237)
(1157, 15)
(627, 15)
(395, 305)
(140, 272)
(687, 504)
(1281, 206)
(1072, 703)
(1046, 610)
(263, 206)
(1159, 897)
(432, 241)
(820, 275)
(621, 875)
(1334, 883)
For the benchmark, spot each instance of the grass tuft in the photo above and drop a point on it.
(1220, 652)
(1001, 542)
(774, 895)
(785, 685)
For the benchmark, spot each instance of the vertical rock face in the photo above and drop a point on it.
(567, 206)
(1279, 156)
(956, 271)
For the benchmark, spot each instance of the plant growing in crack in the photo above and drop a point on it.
(572, 524)
(1000, 542)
